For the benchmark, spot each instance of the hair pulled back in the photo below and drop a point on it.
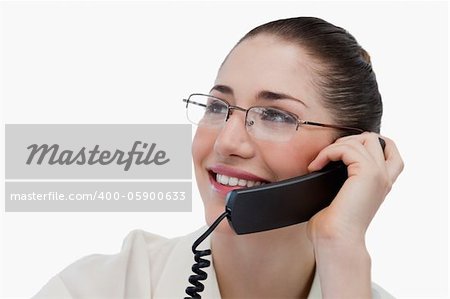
(345, 78)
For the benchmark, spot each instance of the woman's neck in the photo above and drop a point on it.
(272, 264)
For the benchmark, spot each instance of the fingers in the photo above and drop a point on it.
(389, 159)
(350, 149)
(349, 153)
(394, 162)
(372, 143)
(360, 148)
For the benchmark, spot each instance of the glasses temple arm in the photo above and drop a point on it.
(311, 123)
(193, 102)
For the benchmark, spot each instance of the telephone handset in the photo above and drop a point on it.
(284, 203)
(287, 202)
(272, 206)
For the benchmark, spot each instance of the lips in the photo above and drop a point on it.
(225, 179)
(233, 181)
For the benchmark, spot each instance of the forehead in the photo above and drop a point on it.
(267, 62)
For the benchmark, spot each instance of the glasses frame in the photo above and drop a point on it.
(300, 122)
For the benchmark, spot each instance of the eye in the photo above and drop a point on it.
(216, 106)
(274, 115)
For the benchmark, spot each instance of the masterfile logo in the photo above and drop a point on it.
(91, 157)
(98, 167)
(70, 151)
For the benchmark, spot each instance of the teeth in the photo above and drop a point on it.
(232, 181)
(242, 183)
(223, 179)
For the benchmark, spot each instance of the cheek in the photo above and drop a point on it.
(292, 159)
(201, 146)
(202, 152)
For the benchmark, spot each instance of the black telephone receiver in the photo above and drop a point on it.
(271, 206)
(287, 202)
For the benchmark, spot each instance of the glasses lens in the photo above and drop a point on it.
(206, 110)
(270, 124)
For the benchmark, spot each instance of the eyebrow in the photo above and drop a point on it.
(264, 94)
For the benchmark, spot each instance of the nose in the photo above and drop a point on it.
(233, 139)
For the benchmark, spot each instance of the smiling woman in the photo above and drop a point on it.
(290, 97)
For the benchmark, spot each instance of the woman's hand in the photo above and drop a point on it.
(371, 174)
(338, 231)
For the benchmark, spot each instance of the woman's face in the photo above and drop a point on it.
(256, 73)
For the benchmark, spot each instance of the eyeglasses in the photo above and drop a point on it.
(264, 123)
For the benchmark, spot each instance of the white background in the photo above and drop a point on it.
(117, 62)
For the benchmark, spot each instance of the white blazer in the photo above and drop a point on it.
(148, 266)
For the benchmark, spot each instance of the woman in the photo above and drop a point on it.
(294, 70)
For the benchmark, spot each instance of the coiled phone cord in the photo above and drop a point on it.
(194, 279)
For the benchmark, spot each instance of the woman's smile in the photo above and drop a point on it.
(225, 179)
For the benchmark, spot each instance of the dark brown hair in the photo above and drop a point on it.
(345, 78)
